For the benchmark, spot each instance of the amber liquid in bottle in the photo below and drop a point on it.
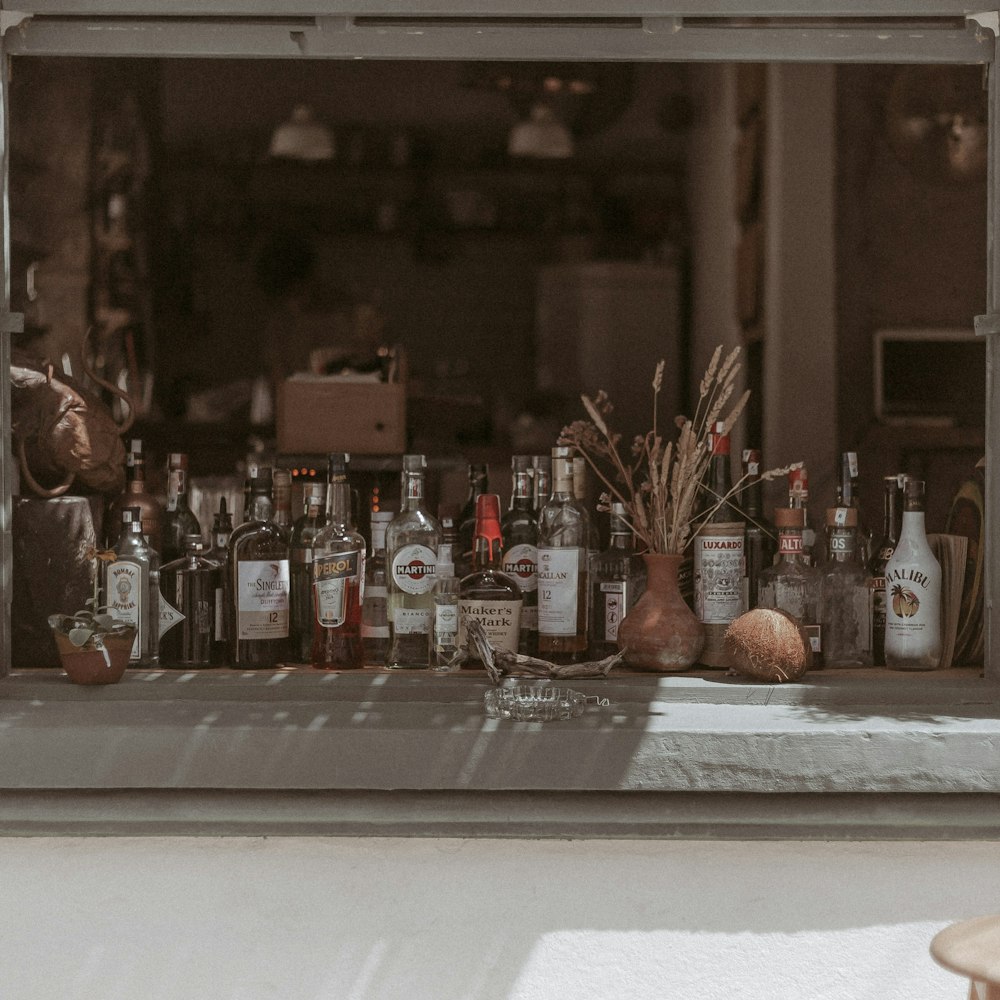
(136, 495)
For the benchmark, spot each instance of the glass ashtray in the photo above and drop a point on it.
(527, 703)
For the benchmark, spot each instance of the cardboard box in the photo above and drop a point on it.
(318, 414)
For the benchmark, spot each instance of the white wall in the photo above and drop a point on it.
(310, 918)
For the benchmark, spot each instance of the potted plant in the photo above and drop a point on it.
(94, 646)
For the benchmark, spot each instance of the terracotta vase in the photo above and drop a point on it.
(661, 632)
(89, 665)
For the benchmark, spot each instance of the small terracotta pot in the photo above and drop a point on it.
(661, 633)
(88, 665)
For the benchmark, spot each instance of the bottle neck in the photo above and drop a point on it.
(720, 484)
(378, 537)
(562, 479)
(261, 507)
(520, 497)
(486, 550)
(135, 473)
(177, 489)
(413, 490)
(621, 541)
(914, 525)
(339, 504)
(890, 521)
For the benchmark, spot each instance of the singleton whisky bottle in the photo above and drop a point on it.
(259, 583)
(338, 578)
(563, 586)
(189, 584)
(136, 495)
(487, 594)
(761, 536)
(618, 579)
(131, 587)
(222, 528)
(411, 542)
(445, 653)
(179, 520)
(375, 605)
(466, 521)
(913, 591)
(300, 555)
(519, 529)
(719, 556)
(882, 552)
(844, 594)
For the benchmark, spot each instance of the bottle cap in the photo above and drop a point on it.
(488, 521)
(562, 451)
(913, 493)
(719, 439)
(261, 477)
(177, 460)
(789, 517)
(338, 461)
(842, 517)
(135, 446)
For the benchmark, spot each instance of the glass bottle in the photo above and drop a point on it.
(179, 520)
(300, 554)
(761, 537)
(618, 578)
(792, 584)
(130, 583)
(848, 495)
(445, 653)
(259, 584)
(844, 594)
(189, 584)
(519, 529)
(580, 493)
(913, 591)
(136, 495)
(563, 587)
(282, 498)
(411, 543)
(798, 499)
(375, 605)
(338, 578)
(719, 555)
(882, 552)
(222, 528)
(487, 594)
(541, 487)
(466, 521)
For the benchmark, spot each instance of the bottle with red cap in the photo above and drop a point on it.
(798, 499)
(487, 594)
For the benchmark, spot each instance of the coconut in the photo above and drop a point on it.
(768, 645)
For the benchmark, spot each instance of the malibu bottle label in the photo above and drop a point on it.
(263, 602)
(414, 568)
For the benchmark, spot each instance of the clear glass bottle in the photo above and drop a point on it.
(338, 578)
(913, 591)
(466, 521)
(130, 583)
(849, 495)
(179, 521)
(541, 485)
(761, 536)
(222, 528)
(798, 499)
(375, 605)
(136, 495)
(281, 494)
(487, 594)
(793, 584)
(719, 552)
(519, 529)
(844, 594)
(618, 579)
(882, 551)
(189, 584)
(411, 542)
(300, 554)
(445, 653)
(563, 585)
(259, 583)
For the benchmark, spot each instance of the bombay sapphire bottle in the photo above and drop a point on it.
(131, 587)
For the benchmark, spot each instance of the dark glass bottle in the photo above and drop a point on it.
(761, 536)
(131, 587)
(281, 495)
(719, 555)
(466, 520)
(580, 490)
(222, 528)
(259, 584)
(892, 515)
(519, 528)
(300, 553)
(188, 584)
(445, 653)
(487, 594)
(618, 579)
(179, 520)
(375, 605)
(136, 495)
(848, 495)
(798, 499)
(541, 486)
(338, 578)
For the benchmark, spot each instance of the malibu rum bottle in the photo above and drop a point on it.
(519, 529)
(259, 582)
(411, 542)
(913, 591)
(131, 587)
(179, 520)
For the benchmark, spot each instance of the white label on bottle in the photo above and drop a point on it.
(125, 599)
(375, 613)
(413, 569)
(718, 578)
(169, 616)
(411, 621)
(332, 576)
(614, 596)
(445, 620)
(501, 620)
(262, 605)
(521, 563)
(558, 580)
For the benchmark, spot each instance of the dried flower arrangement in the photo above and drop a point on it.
(663, 485)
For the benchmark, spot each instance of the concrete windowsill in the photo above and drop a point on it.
(844, 753)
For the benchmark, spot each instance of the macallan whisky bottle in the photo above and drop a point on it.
(487, 594)
(913, 591)
(131, 587)
(338, 567)
(882, 553)
(179, 520)
(259, 583)
(136, 495)
(411, 542)
(301, 548)
(563, 579)
(519, 529)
